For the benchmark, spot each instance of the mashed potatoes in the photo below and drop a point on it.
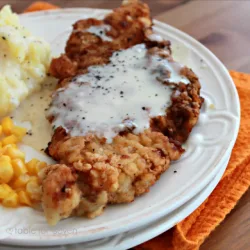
(24, 61)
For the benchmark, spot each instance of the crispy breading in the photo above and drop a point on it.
(184, 112)
(129, 25)
(60, 192)
(117, 172)
(112, 173)
(131, 164)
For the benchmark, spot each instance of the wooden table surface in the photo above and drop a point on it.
(223, 27)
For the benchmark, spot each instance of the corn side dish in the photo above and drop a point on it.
(24, 59)
(19, 182)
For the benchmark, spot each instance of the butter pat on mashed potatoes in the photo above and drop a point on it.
(24, 61)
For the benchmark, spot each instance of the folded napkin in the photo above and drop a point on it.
(190, 233)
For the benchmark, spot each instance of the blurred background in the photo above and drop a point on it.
(221, 25)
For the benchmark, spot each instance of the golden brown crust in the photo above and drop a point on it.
(129, 25)
(61, 195)
(184, 112)
(131, 164)
(119, 171)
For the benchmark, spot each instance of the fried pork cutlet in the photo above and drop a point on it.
(119, 125)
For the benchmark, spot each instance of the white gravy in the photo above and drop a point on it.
(155, 37)
(122, 94)
(31, 115)
(100, 31)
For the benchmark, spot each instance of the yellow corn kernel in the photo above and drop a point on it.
(1, 144)
(5, 190)
(9, 146)
(5, 158)
(18, 167)
(4, 149)
(15, 153)
(19, 132)
(20, 181)
(11, 139)
(34, 179)
(6, 171)
(24, 198)
(17, 190)
(1, 129)
(42, 165)
(33, 167)
(7, 125)
(34, 190)
(11, 200)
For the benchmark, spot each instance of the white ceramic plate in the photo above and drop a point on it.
(135, 237)
(208, 146)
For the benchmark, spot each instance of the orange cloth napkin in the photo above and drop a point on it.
(36, 6)
(190, 233)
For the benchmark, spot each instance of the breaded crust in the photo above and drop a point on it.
(131, 164)
(129, 25)
(117, 172)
